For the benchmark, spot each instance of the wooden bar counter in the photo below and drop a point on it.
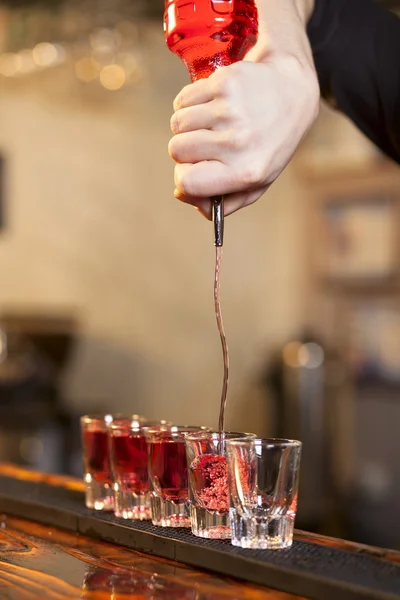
(38, 561)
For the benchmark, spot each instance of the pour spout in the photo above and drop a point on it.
(218, 219)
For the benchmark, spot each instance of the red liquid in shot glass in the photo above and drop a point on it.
(169, 469)
(207, 34)
(209, 481)
(129, 453)
(96, 454)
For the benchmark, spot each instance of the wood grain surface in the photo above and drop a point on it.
(43, 562)
(71, 483)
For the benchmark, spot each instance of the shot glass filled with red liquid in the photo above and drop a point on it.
(168, 475)
(128, 456)
(208, 482)
(207, 34)
(97, 471)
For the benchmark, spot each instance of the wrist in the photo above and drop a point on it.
(283, 30)
(305, 9)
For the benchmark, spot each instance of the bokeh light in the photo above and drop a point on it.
(112, 77)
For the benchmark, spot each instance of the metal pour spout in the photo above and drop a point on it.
(218, 219)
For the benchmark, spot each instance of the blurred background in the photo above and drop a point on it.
(106, 281)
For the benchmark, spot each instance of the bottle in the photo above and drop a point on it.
(207, 34)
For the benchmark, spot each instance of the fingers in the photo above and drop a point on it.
(195, 93)
(202, 179)
(217, 143)
(192, 118)
(235, 202)
(207, 178)
(196, 146)
(232, 202)
(238, 129)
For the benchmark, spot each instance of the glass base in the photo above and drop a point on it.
(129, 505)
(166, 513)
(262, 533)
(210, 524)
(98, 495)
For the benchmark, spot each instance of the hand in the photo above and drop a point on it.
(236, 131)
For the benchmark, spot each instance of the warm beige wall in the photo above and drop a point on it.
(92, 224)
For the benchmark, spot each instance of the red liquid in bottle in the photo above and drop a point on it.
(207, 34)
(129, 454)
(96, 454)
(169, 469)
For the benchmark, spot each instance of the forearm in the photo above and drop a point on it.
(356, 48)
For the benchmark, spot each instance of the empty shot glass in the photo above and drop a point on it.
(168, 476)
(97, 472)
(128, 456)
(263, 486)
(208, 482)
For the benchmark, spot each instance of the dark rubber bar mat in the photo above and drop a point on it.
(307, 569)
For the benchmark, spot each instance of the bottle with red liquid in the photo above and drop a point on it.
(207, 34)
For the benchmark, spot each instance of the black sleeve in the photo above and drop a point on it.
(356, 47)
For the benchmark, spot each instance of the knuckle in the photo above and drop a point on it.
(222, 110)
(184, 183)
(180, 99)
(176, 102)
(239, 67)
(236, 115)
(186, 97)
(173, 149)
(225, 84)
(228, 112)
(251, 174)
(173, 123)
(237, 139)
(176, 122)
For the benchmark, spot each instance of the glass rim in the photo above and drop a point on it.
(137, 425)
(98, 418)
(110, 417)
(266, 442)
(189, 428)
(238, 435)
(177, 432)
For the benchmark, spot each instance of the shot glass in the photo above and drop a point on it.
(263, 485)
(128, 456)
(97, 472)
(208, 482)
(168, 475)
